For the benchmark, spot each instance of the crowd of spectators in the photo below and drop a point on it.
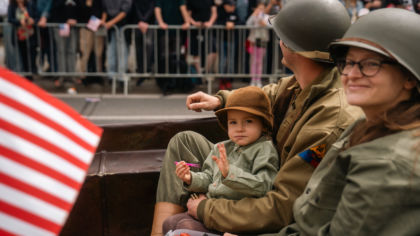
(65, 48)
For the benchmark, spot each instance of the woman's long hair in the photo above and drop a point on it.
(404, 116)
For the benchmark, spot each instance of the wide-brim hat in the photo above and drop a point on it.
(250, 99)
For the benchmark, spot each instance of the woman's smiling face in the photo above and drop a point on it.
(377, 93)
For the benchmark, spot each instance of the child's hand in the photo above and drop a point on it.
(183, 172)
(222, 162)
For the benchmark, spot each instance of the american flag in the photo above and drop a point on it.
(45, 150)
(64, 30)
(93, 23)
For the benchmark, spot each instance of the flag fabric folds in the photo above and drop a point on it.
(45, 151)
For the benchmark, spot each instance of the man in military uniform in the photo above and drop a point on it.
(310, 113)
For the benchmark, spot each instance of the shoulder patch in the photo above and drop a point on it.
(313, 155)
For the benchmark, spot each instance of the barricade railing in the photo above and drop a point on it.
(193, 54)
(227, 46)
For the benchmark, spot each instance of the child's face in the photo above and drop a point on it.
(243, 128)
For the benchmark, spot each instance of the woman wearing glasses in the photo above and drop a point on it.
(369, 181)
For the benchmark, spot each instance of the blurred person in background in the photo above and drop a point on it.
(372, 4)
(258, 38)
(48, 57)
(416, 6)
(22, 14)
(203, 15)
(404, 4)
(171, 50)
(11, 60)
(353, 8)
(393, 4)
(64, 12)
(226, 15)
(273, 7)
(242, 11)
(114, 17)
(142, 15)
(89, 40)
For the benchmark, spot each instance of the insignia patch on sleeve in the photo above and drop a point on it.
(313, 155)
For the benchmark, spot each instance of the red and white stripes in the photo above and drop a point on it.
(45, 150)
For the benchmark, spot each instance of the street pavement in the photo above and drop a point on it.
(113, 109)
(144, 103)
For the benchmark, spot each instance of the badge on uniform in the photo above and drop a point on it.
(313, 155)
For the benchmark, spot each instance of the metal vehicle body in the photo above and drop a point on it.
(118, 195)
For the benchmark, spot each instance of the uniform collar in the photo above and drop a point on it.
(328, 79)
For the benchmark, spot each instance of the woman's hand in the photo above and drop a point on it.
(183, 172)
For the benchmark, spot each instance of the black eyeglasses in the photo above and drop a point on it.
(368, 67)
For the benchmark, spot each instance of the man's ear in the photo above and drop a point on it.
(410, 84)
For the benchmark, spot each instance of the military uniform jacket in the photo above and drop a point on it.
(316, 117)
(369, 189)
(251, 171)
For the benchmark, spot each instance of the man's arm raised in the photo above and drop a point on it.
(202, 101)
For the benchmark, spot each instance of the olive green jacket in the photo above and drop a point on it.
(251, 171)
(317, 116)
(369, 189)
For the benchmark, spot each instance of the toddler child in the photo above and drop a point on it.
(243, 166)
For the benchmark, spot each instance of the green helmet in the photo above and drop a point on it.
(309, 26)
(391, 32)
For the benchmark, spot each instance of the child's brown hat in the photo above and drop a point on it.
(250, 99)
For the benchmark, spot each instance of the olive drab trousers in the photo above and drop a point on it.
(190, 147)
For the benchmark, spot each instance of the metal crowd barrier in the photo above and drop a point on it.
(157, 53)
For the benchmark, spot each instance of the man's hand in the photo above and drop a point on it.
(192, 205)
(183, 172)
(31, 21)
(208, 24)
(42, 21)
(163, 25)
(197, 24)
(222, 162)
(202, 101)
(108, 25)
(143, 26)
(72, 22)
(230, 25)
(185, 26)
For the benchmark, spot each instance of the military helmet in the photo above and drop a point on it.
(309, 26)
(392, 32)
